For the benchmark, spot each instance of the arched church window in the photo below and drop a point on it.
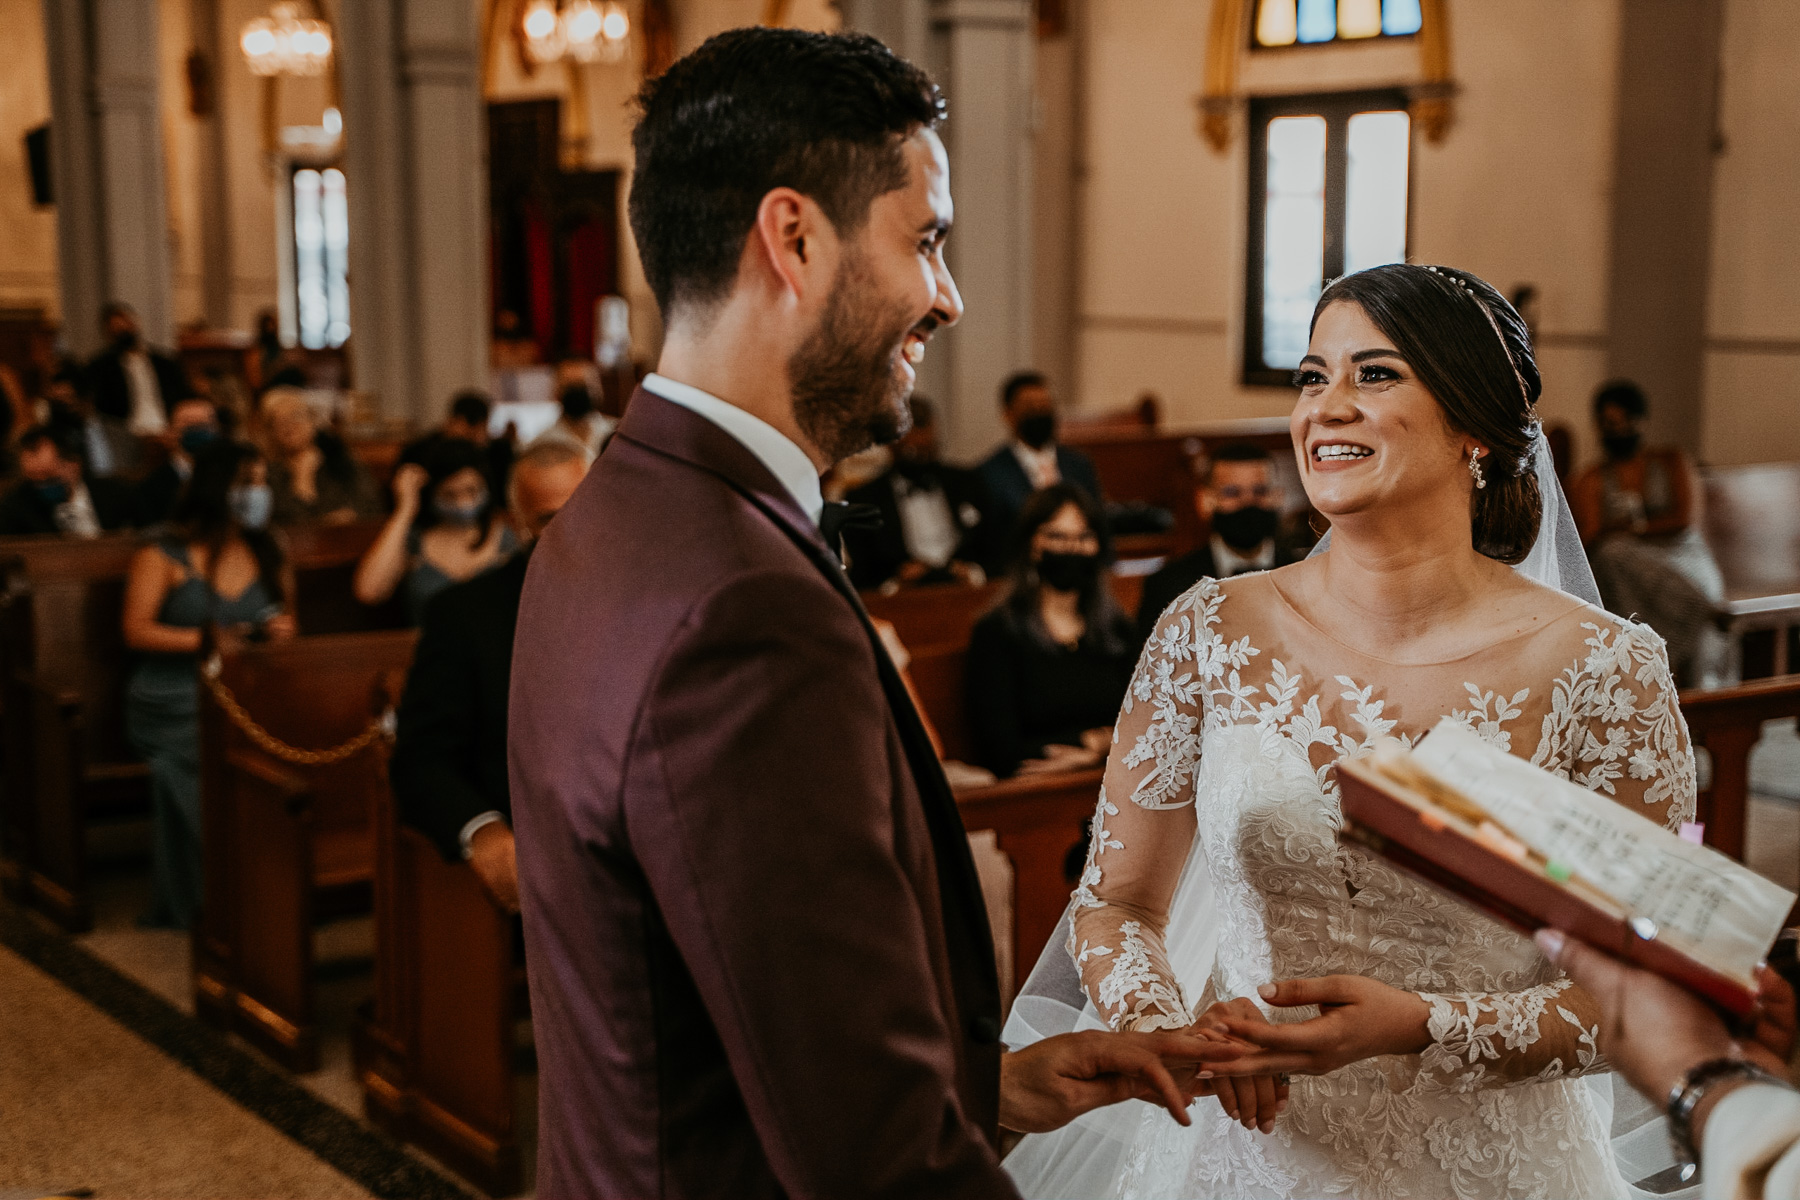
(1329, 183)
(1312, 22)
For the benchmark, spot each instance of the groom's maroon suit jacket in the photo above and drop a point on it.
(759, 961)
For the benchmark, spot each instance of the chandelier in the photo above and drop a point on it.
(583, 31)
(285, 43)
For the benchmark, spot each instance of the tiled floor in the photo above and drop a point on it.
(344, 951)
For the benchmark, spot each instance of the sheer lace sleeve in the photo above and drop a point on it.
(1614, 727)
(1144, 824)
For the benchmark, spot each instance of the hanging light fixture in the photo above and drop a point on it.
(285, 43)
(584, 31)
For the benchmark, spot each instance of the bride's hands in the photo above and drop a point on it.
(1358, 1018)
(1251, 1099)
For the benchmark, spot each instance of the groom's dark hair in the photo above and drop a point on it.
(756, 109)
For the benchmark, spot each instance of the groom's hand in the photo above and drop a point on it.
(1050, 1083)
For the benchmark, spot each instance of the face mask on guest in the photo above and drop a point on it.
(1068, 572)
(128, 341)
(54, 492)
(251, 504)
(1621, 446)
(196, 438)
(461, 514)
(1246, 528)
(1038, 430)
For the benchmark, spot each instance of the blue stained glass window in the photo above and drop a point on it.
(1318, 20)
(1400, 17)
(1312, 22)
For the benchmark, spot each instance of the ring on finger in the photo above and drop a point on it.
(1283, 1079)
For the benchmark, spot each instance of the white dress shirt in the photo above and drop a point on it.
(774, 449)
(1231, 562)
(1040, 465)
(927, 525)
(147, 414)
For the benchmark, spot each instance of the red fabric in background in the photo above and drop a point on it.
(541, 256)
(590, 259)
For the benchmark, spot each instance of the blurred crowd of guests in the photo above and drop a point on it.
(128, 441)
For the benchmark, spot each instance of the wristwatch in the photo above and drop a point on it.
(1692, 1087)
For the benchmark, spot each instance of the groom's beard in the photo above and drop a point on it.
(849, 391)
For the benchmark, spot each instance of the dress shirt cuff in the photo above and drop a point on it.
(466, 838)
(1752, 1145)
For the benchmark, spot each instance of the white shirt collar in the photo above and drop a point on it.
(774, 449)
(1229, 561)
(1040, 463)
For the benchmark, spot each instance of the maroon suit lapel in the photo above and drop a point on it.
(668, 428)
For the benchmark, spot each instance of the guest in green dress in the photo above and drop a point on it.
(220, 566)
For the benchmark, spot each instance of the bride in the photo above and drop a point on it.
(1431, 1051)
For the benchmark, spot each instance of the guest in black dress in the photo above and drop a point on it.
(1048, 668)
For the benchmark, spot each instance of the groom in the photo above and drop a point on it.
(759, 960)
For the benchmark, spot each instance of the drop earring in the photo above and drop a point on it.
(1475, 467)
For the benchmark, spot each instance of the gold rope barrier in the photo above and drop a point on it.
(381, 726)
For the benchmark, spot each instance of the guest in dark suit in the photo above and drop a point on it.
(1031, 461)
(1047, 669)
(449, 763)
(193, 426)
(54, 495)
(1239, 499)
(931, 527)
(759, 958)
(130, 381)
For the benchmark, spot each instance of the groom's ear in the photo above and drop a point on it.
(792, 249)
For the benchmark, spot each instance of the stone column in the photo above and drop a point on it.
(982, 53)
(106, 151)
(417, 176)
(220, 54)
(1662, 206)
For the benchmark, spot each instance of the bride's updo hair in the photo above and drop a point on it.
(1471, 350)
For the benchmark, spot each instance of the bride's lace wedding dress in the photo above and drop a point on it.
(1237, 711)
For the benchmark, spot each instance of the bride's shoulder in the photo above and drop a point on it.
(1589, 637)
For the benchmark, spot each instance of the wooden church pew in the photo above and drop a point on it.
(63, 670)
(1729, 722)
(286, 845)
(435, 1049)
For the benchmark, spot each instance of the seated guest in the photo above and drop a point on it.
(56, 495)
(219, 566)
(131, 382)
(930, 516)
(193, 426)
(580, 424)
(449, 763)
(1031, 461)
(1047, 669)
(315, 480)
(468, 422)
(445, 528)
(1636, 514)
(1240, 500)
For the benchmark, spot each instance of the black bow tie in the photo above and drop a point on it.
(836, 517)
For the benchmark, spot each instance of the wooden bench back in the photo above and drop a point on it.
(60, 606)
(931, 616)
(312, 693)
(325, 558)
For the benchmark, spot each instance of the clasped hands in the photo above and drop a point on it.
(1358, 1018)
